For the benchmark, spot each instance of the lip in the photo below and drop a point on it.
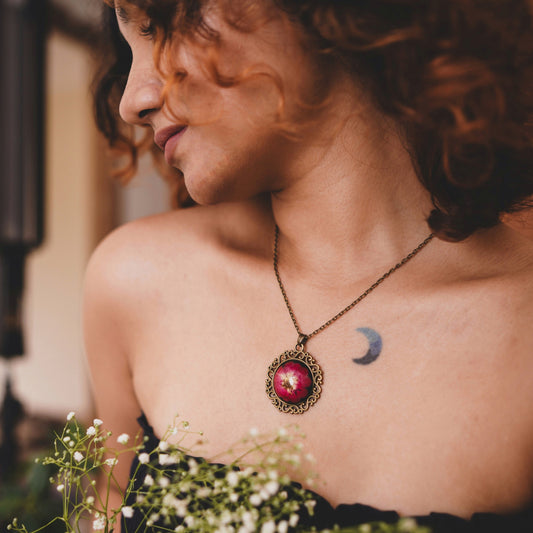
(168, 138)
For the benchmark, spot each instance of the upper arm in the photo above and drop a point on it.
(106, 321)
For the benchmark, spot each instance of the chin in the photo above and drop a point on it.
(212, 188)
(208, 190)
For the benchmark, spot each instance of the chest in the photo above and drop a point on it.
(426, 421)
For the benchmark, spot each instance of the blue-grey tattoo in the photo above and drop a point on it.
(375, 345)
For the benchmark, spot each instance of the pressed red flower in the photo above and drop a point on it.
(293, 381)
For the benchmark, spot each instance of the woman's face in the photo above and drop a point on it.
(224, 140)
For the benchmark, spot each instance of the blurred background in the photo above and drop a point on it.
(57, 201)
(81, 205)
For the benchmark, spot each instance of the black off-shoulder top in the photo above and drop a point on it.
(345, 515)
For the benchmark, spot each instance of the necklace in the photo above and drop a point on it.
(294, 380)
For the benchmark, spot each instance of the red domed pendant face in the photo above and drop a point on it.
(294, 381)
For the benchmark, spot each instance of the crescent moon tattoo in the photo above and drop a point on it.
(374, 349)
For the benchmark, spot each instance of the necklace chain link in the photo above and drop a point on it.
(302, 337)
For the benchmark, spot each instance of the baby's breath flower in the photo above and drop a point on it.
(163, 482)
(189, 520)
(66, 439)
(148, 480)
(71, 443)
(203, 492)
(310, 504)
(248, 521)
(185, 486)
(99, 523)
(78, 457)
(233, 497)
(283, 526)
(91, 430)
(127, 512)
(163, 445)
(154, 517)
(254, 432)
(97, 422)
(123, 439)
(407, 524)
(144, 458)
(232, 478)
(111, 462)
(295, 459)
(89, 500)
(169, 500)
(193, 467)
(71, 415)
(269, 527)
(181, 507)
(282, 432)
(166, 459)
(272, 487)
(256, 500)
(226, 517)
(310, 480)
(293, 520)
(60, 487)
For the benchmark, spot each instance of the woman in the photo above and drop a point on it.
(345, 133)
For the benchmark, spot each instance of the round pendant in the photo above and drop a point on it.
(294, 381)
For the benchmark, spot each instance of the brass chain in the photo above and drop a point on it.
(302, 337)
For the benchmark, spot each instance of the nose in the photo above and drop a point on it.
(142, 95)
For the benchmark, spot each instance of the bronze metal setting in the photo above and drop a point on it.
(302, 357)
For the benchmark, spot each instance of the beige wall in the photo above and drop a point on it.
(52, 378)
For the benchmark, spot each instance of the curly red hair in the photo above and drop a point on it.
(455, 75)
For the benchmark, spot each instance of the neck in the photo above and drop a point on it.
(354, 206)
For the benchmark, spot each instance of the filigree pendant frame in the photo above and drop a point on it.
(294, 381)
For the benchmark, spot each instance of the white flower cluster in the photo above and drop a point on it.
(191, 494)
(182, 493)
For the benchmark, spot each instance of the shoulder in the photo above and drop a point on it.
(210, 225)
(141, 257)
(480, 291)
(500, 301)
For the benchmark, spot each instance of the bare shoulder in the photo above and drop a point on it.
(484, 296)
(516, 285)
(197, 226)
(138, 259)
(503, 301)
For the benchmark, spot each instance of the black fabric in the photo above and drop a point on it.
(326, 516)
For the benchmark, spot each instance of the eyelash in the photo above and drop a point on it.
(147, 30)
